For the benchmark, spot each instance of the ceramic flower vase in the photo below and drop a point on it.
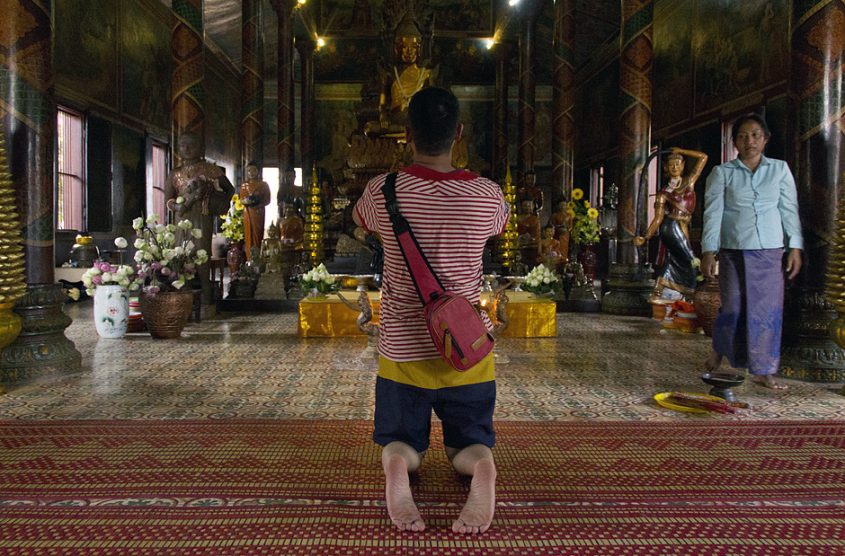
(316, 295)
(111, 310)
(235, 257)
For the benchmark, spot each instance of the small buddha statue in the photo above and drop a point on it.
(271, 250)
(528, 232)
(561, 222)
(291, 228)
(551, 252)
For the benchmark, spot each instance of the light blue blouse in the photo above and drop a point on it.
(751, 210)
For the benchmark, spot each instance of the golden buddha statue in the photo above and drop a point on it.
(291, 228)
(528, 232)
(399, 83)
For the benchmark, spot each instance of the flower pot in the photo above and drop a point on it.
(111, 310)
(707, 301)
(587, 258)
(166, 312)
(235, 257)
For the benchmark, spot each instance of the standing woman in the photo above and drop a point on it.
(750, 214)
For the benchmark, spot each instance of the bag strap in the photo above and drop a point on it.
(425, 280)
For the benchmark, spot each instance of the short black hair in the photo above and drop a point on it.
(750, 117)
(433, 117)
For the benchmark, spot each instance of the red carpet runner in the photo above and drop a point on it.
(315, 487)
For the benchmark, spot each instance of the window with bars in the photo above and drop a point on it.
(70, 189)
(156, 177)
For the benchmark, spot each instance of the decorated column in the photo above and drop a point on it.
(629, 287)
(252, 84)
(285, 140)
(500, 113)
(306, 46)
(527, 84)
(187, 96)
(563, 99)
(28, 116)
(816, 84)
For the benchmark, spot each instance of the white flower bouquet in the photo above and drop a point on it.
(540, 280)
(166, 257)
(319, 279)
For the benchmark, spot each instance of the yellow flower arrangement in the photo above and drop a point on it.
(585, 224)
(233, 223)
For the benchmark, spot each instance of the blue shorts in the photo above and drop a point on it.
(403, 413)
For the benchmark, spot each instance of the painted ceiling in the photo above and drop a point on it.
(597, 23)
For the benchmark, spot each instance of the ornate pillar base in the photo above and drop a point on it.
(807, 351)
(630, 289)
(42, 348)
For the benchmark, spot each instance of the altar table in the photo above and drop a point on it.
(528, 317)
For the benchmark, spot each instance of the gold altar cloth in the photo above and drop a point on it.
(330, 317)
(528, 317)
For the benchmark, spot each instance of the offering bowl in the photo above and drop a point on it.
(722, 384)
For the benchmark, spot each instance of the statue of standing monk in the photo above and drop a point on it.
(197, 190)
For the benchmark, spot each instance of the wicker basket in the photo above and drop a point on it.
(166, 313)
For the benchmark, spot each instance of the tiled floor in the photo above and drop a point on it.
(254, 366)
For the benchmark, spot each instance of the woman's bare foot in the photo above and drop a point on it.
(401, 508)
(477, 514)
(714, 361)
(768, 381)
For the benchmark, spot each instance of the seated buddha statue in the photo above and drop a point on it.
(399, 82)
(528, 232)
(291, 228)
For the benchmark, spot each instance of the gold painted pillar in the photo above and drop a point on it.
(563, 100)
(285, 139)
(629, 287)
(500, 113)
(527, 85)
(187, 109)
(306, 47)
(252, 84)
(818, 124)
(28, 116)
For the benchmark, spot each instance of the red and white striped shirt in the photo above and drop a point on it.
(452, 216)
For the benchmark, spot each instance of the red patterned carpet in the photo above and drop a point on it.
(315, 487)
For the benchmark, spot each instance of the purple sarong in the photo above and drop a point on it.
(748, 328)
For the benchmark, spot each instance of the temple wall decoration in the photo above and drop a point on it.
(85, 46)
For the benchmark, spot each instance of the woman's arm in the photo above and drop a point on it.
(714, 207)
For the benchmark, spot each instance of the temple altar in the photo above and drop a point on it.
(528, 316)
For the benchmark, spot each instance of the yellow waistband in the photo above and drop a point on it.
(435, 373)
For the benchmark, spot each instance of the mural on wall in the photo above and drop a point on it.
(222, 116)
(146, 64)
(347, 60)
(598, 111)
(129, 167)
(673, 71)
(85, 41)
(335, 125)
(738, 48)
(363, 17)
(477, 116)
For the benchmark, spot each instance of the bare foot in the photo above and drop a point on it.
(401, 508)
(714, 361)
(768, 381)
(477, 514)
